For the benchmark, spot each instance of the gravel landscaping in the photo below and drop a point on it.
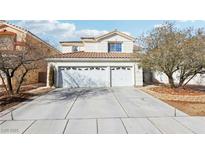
(189, 100)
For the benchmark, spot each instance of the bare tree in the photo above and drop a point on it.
(29, 63)
(8, 65)
(13, 60)
(193, 55)
(171, 50)
(3, 82)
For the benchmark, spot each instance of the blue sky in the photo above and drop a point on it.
(62, 30)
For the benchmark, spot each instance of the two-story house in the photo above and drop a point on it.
(104, 61)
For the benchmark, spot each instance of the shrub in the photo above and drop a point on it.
(51, 76)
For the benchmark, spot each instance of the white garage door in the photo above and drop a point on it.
(84, 77)
(122, 76)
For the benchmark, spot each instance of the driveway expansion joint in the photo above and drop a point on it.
(184, 126)
(3, 122)
(97, 126)
(120, 103)
(65, 126)
(29, 126)
(71, 106)
(155, 125)
(124, 125)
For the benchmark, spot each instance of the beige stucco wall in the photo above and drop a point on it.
(102, 45)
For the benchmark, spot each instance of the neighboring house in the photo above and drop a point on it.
(19, 37)
(103, 61)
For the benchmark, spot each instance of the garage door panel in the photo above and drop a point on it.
(96, 76)
(71, 79)
(84, 77)
(122, 76)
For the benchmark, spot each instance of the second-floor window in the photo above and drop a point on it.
(115, 47)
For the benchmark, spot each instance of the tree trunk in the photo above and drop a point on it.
(4, 84)
(9, 85)
(180, 82)
(189, 80)
(171, 81)
(21, 81)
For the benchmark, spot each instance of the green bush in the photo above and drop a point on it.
(51, 76)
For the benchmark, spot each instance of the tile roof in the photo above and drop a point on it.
(82, 54)
(5, 32)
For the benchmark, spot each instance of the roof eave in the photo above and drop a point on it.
(115, 32)
(71, 43)
(91, 59)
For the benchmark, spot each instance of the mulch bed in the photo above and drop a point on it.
(193, 108)
(178, 91)
(7, 102)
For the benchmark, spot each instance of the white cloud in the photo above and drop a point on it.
(89, 32)
(61, 30)
(187, 21)
(158, 25)
(55, 31)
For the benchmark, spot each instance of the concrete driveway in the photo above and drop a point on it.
(99, 110)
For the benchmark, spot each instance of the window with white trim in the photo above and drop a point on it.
(114, 47)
